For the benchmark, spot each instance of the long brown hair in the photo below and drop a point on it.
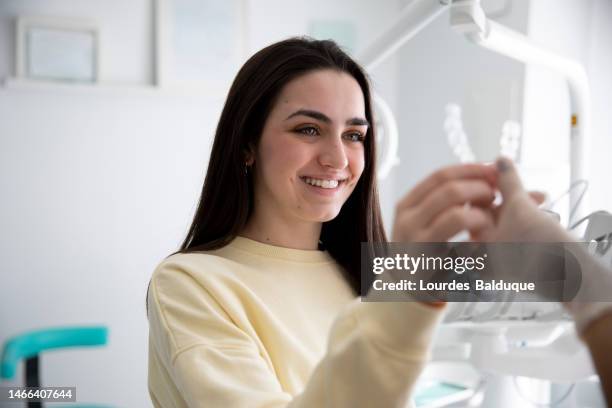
(227, 201)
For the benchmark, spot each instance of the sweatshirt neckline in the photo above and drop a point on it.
(273, 251)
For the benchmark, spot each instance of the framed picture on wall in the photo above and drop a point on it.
(200, 44)
(57, 49)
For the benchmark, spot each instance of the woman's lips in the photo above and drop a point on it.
(324, 191)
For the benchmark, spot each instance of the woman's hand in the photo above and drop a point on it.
(435, 210)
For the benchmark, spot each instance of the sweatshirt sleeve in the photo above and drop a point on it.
(375, 352)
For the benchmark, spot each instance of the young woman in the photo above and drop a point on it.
(260, 306)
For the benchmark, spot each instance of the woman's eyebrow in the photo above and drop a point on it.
(358, 122)
(324, 118)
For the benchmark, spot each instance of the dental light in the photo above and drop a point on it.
(468, 18)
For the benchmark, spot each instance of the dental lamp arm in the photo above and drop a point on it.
(468, 18)
(411, 20)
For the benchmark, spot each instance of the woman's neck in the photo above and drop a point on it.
(289, 235)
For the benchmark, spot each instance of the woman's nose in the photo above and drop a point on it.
(333, 154)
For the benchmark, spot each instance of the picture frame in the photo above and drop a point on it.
(57, 49)
(199, 44)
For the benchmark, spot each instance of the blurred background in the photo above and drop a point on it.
(108, 109)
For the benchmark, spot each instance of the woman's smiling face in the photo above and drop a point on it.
(311, 151)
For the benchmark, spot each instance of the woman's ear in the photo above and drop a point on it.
(249, 155)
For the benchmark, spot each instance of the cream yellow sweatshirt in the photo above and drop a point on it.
(256, 325)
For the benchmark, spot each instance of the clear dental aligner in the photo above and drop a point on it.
(510, 140)
(456, 136)
(458, 141)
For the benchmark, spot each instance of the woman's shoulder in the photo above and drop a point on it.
(195, 275)
(195, 264)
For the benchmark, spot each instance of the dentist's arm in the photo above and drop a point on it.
(519, 219)
(597, 336)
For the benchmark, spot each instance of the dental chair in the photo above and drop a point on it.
(28, 346)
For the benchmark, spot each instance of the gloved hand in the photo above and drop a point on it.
(518, 219)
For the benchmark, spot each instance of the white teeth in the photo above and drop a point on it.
(321, 183)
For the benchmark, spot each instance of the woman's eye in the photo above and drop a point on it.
(309, 131)
(355, 136)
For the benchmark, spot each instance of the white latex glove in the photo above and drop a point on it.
(518, 219)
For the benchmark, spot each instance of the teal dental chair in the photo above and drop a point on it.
(28, 346)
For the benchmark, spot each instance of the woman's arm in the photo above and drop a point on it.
(375, 353)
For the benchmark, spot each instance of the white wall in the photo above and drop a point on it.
(97, 189)
(98, 185)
